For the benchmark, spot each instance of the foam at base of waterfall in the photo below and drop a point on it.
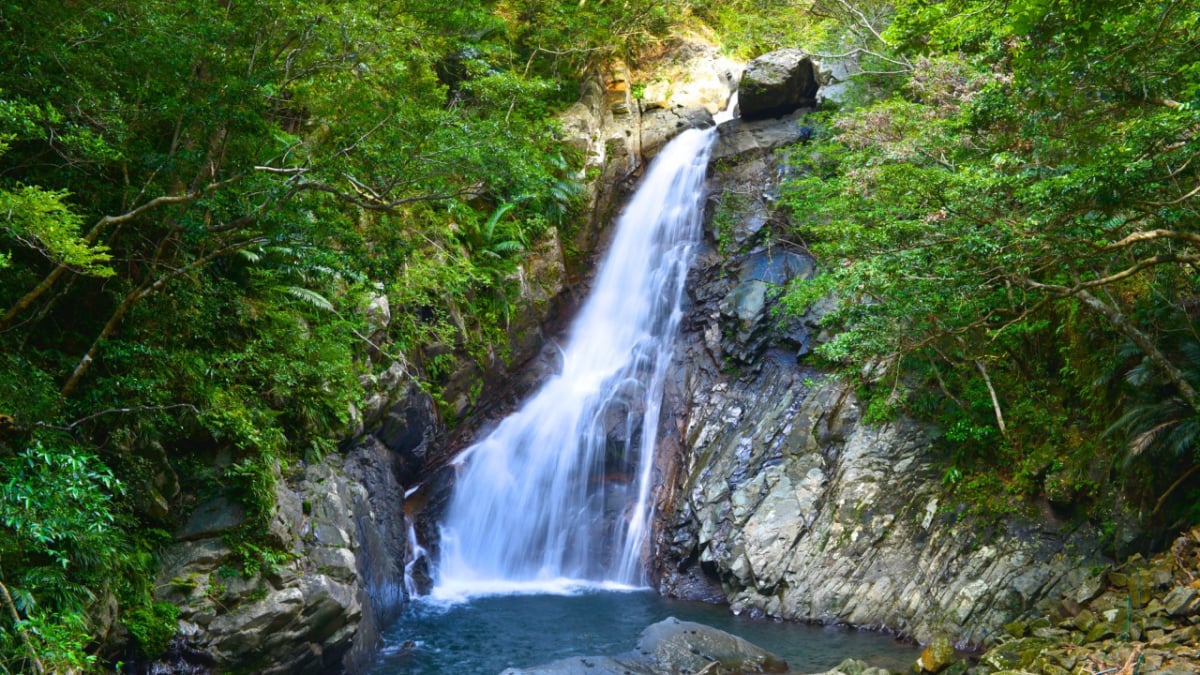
(456, 591)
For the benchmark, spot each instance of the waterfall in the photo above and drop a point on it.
(416, 553)
(559, 492)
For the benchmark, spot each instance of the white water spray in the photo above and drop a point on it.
(559, 493)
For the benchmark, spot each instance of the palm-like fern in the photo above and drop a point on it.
(1157, 419)
(296, 271)
(1158, 422)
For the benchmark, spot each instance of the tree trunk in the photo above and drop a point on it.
(38, 668)
(136, 296)
(1146, 344)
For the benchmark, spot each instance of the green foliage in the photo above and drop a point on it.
(195, 204)
(60, 641)
(55, 506)
(1019, 207)
(749, 28)
(731, 208)
(40, 220)
(59, 541)
(152, 627)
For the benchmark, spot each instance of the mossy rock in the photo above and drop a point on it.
(1085, 620)
(938, 655)
(1014, 654)
(1016, 629)
(1100, 632)
(957, 668)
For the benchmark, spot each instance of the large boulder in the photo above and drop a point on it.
(776, 84)
(317, 610)
(672, 646)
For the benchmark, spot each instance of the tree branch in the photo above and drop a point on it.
(113, 411)
(38, 668)
(995, 399)
(1145, 343)
(93, 234)
(367, 200)
(1174, 202)
(1164, 259)
(137, 295)
(1148, 235)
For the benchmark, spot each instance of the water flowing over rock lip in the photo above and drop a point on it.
(466, 590)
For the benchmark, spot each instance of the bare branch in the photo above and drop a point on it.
(350, 148)
(995, 399)
(284, 171)
(1148, 235)
(367, 201)
(114, 411)
(1164, 259)
(1174, 202)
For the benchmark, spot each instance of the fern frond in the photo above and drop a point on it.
(308, 296)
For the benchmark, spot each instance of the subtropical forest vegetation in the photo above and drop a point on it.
(198, 201)
(1008, 212)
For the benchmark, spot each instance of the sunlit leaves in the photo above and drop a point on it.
(39, 219)
(1033, 154)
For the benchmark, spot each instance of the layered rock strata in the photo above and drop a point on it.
(779, 497)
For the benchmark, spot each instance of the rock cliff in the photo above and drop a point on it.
(778, 497)
(320, 606)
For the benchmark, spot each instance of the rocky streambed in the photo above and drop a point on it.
(1141, 617)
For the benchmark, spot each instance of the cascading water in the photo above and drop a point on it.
(560, 490)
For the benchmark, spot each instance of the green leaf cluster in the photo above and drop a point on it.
(1011, 235)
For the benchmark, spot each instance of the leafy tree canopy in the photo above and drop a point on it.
(196, 199)
(1011, 223)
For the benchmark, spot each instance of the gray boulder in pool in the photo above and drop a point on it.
(671, 646)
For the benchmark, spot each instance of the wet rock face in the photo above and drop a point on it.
(776, 84)
(407, 431)
(300, 616)
(783, 496)
(321, 609)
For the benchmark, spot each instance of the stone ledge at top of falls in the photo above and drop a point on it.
(778, 83)
(619, 130)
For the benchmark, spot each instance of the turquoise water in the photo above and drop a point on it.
(489, 634)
